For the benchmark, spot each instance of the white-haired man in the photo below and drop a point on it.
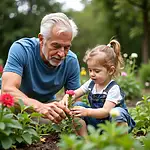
(37, 68)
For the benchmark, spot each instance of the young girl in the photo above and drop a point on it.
(104, 94)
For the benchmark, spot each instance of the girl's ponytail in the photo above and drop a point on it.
(119, 60)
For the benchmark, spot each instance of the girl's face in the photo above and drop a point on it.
(98, 73)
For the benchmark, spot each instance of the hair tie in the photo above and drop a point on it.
(109, 45)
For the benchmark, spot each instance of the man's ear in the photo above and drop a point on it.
(112, 70)
(40, 36)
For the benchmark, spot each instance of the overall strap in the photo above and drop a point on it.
(110, 86)
(91, 85)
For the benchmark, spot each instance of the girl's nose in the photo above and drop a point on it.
(92, 74)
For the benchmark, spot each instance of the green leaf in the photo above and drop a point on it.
(14, 124)
(27, 138)
(6, 142)
(2, 126)
(8, 116)
(31, 131)
(7, 131)
(19, 139)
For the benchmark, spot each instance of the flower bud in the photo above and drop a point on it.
(114, 113)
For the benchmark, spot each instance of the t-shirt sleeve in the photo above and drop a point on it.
(73, 81)
(85, 86)
(16, 59)
(114, 94)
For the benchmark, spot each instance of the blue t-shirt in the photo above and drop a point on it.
(39, 81)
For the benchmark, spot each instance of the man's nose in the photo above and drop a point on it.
(61, 52)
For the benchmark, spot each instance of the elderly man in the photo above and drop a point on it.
(37, 68)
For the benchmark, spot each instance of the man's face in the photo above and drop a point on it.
(55, 49)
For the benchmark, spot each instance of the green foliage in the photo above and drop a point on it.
(128, 80)
(141, 116)
(17, 127)
(130, 86)
(144, 74)
(112, 138)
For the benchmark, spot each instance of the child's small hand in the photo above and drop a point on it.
(79, 111)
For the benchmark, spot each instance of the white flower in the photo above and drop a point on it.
(134, 55)
(125, 55)
(131, 62)
(114, 113)
(147, 84)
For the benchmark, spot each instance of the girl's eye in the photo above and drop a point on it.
(90, 70)
(97, 71)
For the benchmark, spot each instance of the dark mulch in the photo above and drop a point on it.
(50, 143)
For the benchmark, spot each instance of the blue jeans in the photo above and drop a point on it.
(123, 117)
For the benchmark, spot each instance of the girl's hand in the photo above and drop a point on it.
(79, 111)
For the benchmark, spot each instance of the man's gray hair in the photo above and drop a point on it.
(52, 19)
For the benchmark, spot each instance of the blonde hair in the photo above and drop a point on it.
(61, 19)
(112, 56)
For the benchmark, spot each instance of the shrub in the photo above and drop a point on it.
(128, 80)
(16, 128)
(144, 74)
(141, 116)
(112, 138)
(130, 86)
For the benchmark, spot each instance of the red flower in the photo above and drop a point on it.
(1, 68)
(70, 92)
(7, 100)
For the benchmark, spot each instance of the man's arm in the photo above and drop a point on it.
(53, 111)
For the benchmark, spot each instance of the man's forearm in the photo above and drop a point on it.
(17, 94)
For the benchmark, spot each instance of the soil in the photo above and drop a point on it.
(49, 143)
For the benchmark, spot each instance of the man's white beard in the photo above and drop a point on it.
(51, 62)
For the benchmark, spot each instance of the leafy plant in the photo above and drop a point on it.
(8, 124)
(15, 127)
(141, 116)
(128, 80)
(113, 137)
(144, 74)
(67, 125)
(28, 134)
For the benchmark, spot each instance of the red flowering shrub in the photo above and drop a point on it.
(7, 100)
(70, 92)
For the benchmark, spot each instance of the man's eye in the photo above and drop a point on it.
(67, 47)
(57, 46)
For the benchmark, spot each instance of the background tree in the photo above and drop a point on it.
(139, 13)
(21, 18)
(98, 23)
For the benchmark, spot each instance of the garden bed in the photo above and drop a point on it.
(48, 142)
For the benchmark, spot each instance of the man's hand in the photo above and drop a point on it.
(54, 111)
(64, 101)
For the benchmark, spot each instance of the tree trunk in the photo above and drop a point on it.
(146, 32)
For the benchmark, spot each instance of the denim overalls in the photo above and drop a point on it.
(98, 100)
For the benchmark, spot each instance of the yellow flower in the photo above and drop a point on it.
(43, 140)
(83, 71)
